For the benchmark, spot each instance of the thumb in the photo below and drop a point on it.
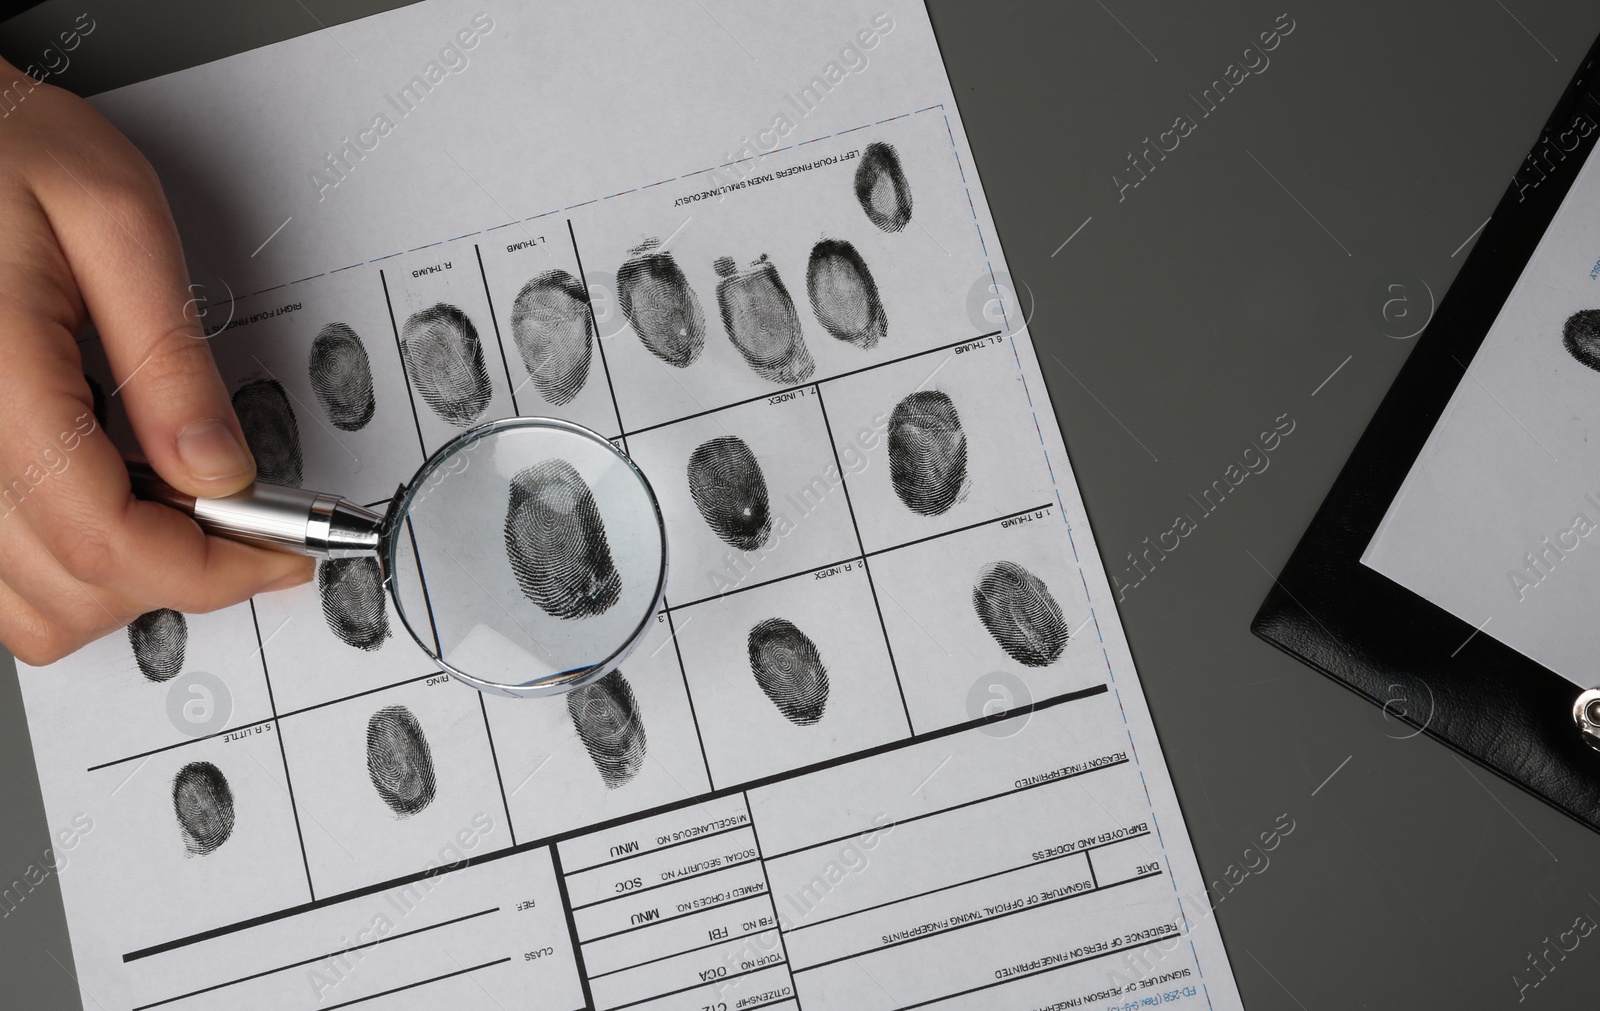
(123, 249)
(180, 412)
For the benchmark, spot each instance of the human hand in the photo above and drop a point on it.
(89, 236)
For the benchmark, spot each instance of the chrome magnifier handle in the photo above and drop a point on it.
(272, 516)
(526, 556)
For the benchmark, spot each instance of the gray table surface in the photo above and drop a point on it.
(1179, 321)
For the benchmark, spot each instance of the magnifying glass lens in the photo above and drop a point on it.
(527, 556)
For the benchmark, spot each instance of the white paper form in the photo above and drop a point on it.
(884, 746)
(1494, 520)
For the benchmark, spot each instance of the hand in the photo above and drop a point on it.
(88, 235)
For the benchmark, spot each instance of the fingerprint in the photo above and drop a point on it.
(927, 452)
(556, 542)
(97, 399)
(270, 429)
(341, 377)
(158, 639)
(204, 805)
(761, 321)
(445, 359)
(399, 761)
(881, 188)
(664, 310)
(789, 669)
(730, 491)
(1581, 337)
(554, 332)
(353, 601)
(843, 294)
(606, 716)
(1018, 610)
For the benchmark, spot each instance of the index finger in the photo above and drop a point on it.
(107, 210)
(63, 475)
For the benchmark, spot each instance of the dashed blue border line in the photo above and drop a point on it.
(1038, 428)
(648, 186)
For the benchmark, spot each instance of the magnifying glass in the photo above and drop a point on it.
(527, 556)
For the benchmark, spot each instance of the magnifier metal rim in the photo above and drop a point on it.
(550, 684)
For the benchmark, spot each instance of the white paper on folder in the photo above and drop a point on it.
(1495, 521)
(804, 788)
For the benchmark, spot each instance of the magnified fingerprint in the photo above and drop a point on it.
(730, 491)
(761, 321)
(554, 332)
(341, 377)
(606, 716)
(353, 601)
(203, 802)
(664, 310)
(844, 295)
(927, 452)
(1581, 337)
(158, 639)
(881, 187)
(97, 399)
(270, 429)
(399, 761)
(556, 542)
(789, 669)
(445, 360)
(1018, 610)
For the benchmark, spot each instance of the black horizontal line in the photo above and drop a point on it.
(1036, 972)
(659, 849)
(974, 923)
(662, 884)
(357, 695)
(955, 807)
(317, 958)
(776, 1000)
(970, 526)
(696, 986)
(764, 582)
(624, 819)
(674, 954)
(856, 558)
(169, 747)
(765, 891)
(970, 881)
(270, 719)
(819, 382)
(671, 607)
(420, 982)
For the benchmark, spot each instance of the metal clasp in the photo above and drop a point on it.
(1586, 714)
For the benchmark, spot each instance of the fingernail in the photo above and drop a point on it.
(211, 451)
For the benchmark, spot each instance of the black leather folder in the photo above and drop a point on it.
(1379, 639)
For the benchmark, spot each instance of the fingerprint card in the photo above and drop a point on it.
(753, 254)
(166, 680)
(932, 445)
(790, 674)
(210, 828)
(831, 256)
(546, 325)
(1001, 597)
(316, 382)
(749, 494)
(386, 781)
(623, 744)
(457, 369)
(336, 636)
